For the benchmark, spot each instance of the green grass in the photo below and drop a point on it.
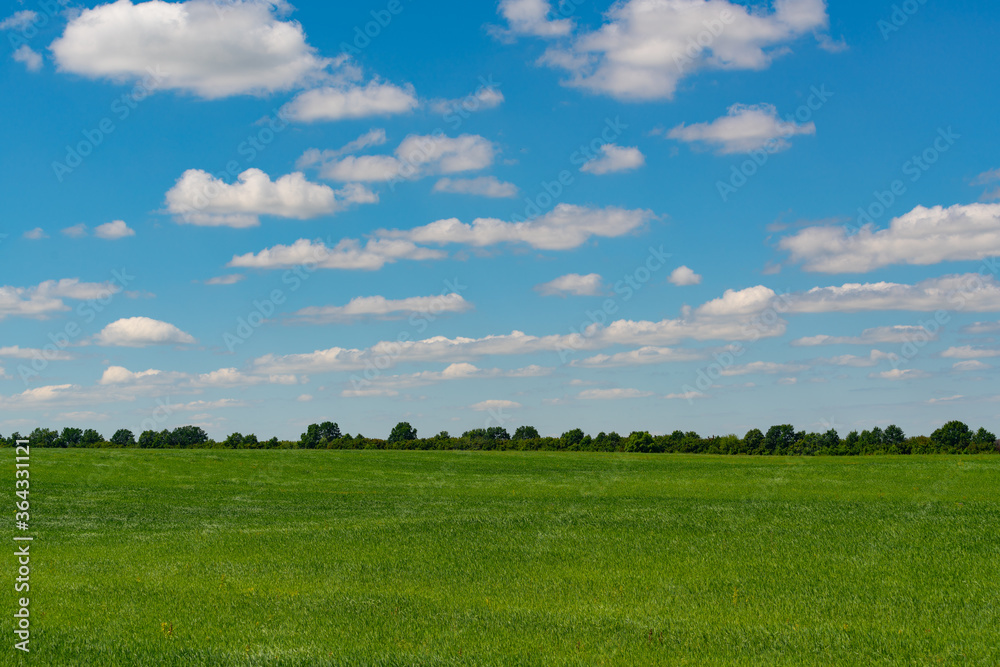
(476, 558)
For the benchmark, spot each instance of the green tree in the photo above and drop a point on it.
(402, 432)
(43, 437)
(329, 431)
(952, 438)
(639, 441)
(984, 441)
(70, 437)
(123, 438)
(311, 438)
(779, 438)
(571, 439)
(149, 440)
(234, 441)
(525, 433)
(753, 441)
(91, 438)
(188, 436)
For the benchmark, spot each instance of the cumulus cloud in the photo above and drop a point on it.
(76, 231)
(415, 157)
(531, 17)
(682, 275)
(565, 226)
(744, 128)
(970, 352)
(122, 375)
(981, 328)
(198, 198)
(35, 234)
(687, 396)
(455, 371)
(313, 156)
(116, 229)
(19, 20)
(639, 357)
(900, 374)
(380, 307)
(922, 236)
(573, 283)
(346, 254)
(332, 103)
(141, 332)
(29, 57)
(971, 365)
(212, 50)
(873, 336)
(47, 297)
(484, 186)
(766, 367)
(611, 394)
(614, 158)
(18, 352)
(970, 292)
(494, 404)
(230, 279)
(644, 48)
(486, 97)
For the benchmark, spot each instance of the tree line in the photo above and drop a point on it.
(954, 437)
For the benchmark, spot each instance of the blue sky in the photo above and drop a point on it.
(692, 214)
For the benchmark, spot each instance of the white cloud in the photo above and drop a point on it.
(645, 46)
(970, 292)
(682, 276)
(416, 156)
(989, 178)
(875, 335)
(640, 357)
(76, 231)
(346, 254)
(484, 186)
(982, 328)
(331, 103)
(970, 352)
(31, 58)
(455, 371)
(35, 234)
(853, 361)
(195, 406)
(373, 137)
(117, 229)
(900, 374)
(612, 394)
(767, 367)
(19, 20)
(564, 227)
(18, 352)
(229, 279)
(140, 332)
(971, 365)
(687, 396)
(485, 97)
(922, 236)
(379, 306)
(232, 377)
(213, 50)
(573, 283)
(531, 17)
(199, 198)
(304, 398)
(744, 128)
(47, 297)
(946, 399)
(368, 393)
(122, 375)
(494, 404)
(614, 158)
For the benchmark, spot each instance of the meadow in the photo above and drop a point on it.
(309, 557)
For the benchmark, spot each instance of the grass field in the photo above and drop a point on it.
(475, 558)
